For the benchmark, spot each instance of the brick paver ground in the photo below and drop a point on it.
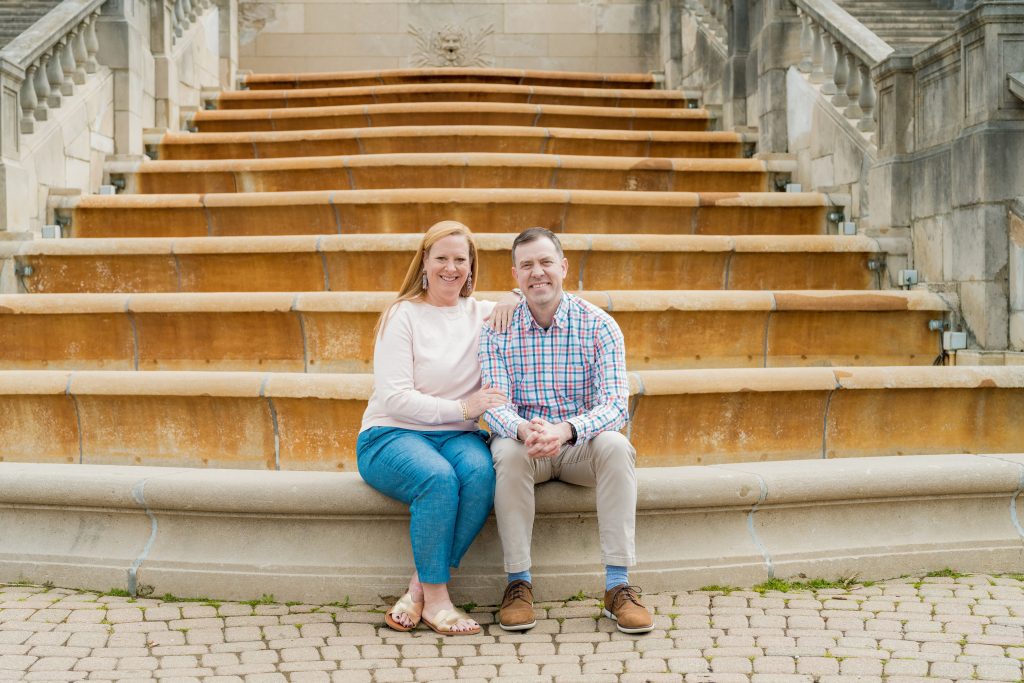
(936, 629)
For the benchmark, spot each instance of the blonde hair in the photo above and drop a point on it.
(412, 286)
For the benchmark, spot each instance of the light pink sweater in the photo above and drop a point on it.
(424, 363)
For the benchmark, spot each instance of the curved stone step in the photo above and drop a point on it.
(494, 210)
(434, 139)
(318, 531)
(566, 79)
(330, 332)
(448, 92)
(447, 114)
(254, 420)
(444, 170)
(379, 262)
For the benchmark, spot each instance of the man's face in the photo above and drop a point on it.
(539, 270)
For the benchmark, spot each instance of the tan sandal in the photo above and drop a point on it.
(446, 619)
(409, 608)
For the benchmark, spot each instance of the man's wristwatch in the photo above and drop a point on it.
(572, 428)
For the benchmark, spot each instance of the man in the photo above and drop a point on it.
(562, 363)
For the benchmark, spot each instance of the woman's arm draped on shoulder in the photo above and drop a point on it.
(393, 380)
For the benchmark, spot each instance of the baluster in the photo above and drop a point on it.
(67, 65)
(42, 83)
(81, 55)
(852, 110)
(29, 102)
(806, 45)
(186, 14)
(828, 66)
(179, 18)
(55, 74)
(92, 44)
(867, 100)
(839, 99)
(817, 52)
(190, 7)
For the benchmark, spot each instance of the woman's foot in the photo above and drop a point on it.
(407, 611)
(463, 625)
(438, 608)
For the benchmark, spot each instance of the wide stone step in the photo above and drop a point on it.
(447, 114)
(447, 92)
(434, 139)
(302, 535)
(680, 417)
(511, 139)
(379, 262)
(333, 331)
(469, 170)
(571, 79)
(494, 210)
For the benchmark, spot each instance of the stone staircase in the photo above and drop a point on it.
(908, 25)
(219, 312)
(197, 336)
(18, 15)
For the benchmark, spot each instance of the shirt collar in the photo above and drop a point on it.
(561, 319)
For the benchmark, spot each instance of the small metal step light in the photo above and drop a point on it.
(848, 228)
(954, 341)
(906, 278)
(108, 189)
(23, 270)
(52, 232)
(794, 187)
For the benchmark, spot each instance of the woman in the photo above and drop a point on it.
(419, 441)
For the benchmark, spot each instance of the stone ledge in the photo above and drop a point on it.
(317, 537)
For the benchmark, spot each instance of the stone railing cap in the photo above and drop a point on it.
(40, 36)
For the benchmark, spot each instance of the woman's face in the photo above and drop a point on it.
(447, 265)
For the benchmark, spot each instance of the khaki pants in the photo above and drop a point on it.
(606, 461)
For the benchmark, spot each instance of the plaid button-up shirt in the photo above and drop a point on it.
(574, 371)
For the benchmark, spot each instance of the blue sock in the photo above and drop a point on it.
(520, 576)
(615, 576)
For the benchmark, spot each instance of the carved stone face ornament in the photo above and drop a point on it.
(451, 46)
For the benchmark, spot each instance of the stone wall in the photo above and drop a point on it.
(579, 35)
(951, 136)
(150, 63)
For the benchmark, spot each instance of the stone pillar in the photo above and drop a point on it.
(123, 33)
(889, 178)
(228, 20)
(1017, 275)
(670, 41)
(734, 83)
(778, 47)
(986, 172)
(14, 202)
(164, 66)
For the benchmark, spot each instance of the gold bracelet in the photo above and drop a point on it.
(465, 410)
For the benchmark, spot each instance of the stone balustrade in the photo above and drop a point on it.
(837, 53)
(47, 63)
(714, 16)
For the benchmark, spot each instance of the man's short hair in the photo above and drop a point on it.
(532, 235)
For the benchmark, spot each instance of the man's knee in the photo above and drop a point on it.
(509, 455)
(612, 449)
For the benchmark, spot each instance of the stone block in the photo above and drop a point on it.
(571, 45)
(929, 243)
(930, 186)
(987, 164)
(636, 18)
(378, 18)
(521, 45)
(549, 18)
(979, 245)
(985, 312)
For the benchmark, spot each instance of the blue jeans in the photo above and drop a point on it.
(446, 479)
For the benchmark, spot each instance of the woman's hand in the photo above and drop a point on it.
(501, 316)
(483, 400)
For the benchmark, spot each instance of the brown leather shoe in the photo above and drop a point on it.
(517, 607)
(622, 605)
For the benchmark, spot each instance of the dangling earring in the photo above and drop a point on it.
(467, 289)
(424, 280)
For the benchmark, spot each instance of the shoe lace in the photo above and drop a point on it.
(515, 591)
(631, 593)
